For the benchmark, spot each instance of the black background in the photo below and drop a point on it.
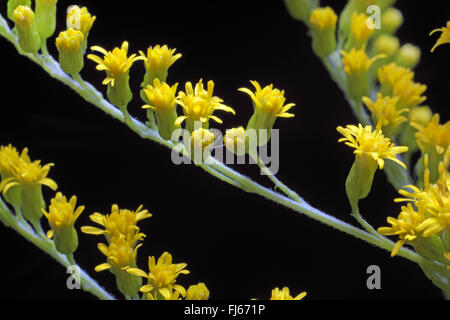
(240, 245)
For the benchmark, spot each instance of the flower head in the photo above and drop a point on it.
(445, 36)
(323, 18)
(162, 276)
(201, 138)
(25, 21)
(116, 63)
(357, 62)
(385, 113)
(323, 26)
(390, 74)
(119, 223)
(235, 140)
(409, 92)
(199, 104)
(79, 19)
(69, 40)
(197, 292)
(71, 52)
(9, 159)
(161, 96)
(158, 60)
(120, 254)
(62, 213)
(284, 294)
(23, 16)
(406, 226)
(371, 144)
(433, 135)
(269, 100)
(27, 174)
(359, 30)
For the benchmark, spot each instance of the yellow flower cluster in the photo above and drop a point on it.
(161, 277)
(426, 216)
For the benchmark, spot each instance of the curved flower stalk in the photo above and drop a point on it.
(424, 224)
(199, 97)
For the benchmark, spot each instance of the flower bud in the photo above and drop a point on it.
(236, 141)
(13, 4)
(197, 292)
(391, 20)
(323, 23)
(386, 44)
(301, 9)
(199, 143)
(408, 56)
(70, 47)
(25, 22)
(46, 18)
(80, 19)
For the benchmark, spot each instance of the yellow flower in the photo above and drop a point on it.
(199, 104)
(71, 53)
(161, 96)
(70, 40)
(120, 222)
(61, 217)
(356, 66)
(398, 81)
(406, 226)
(433, 135)
(25, 21)
(197, 292)
(120, 254)
(420, 116)
(445, 36)
(385, 113)
(62, 213)
(116, 63)
(269, 101)
(433, 200)
(357, 62)
(79, 19)
(162, 276)
(284, 294)
(359, 31)
(9, 159)
(371, 144)
(27, 174)
(409, 93)
(157, 62)
(323, 27)
(392, 73)
(201, 139)
(235, 140)
(322, 18)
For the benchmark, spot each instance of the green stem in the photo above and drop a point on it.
(287, 191)
(367, 226)
(89, 284)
